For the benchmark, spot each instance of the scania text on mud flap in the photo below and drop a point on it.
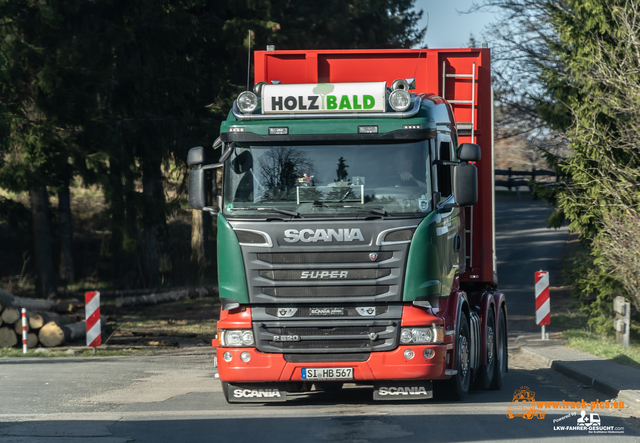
(355, 226)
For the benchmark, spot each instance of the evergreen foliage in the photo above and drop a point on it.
(114, 93)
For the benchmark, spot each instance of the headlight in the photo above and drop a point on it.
(433, 334)
(399, 100)
(247, 102)
(236, 338)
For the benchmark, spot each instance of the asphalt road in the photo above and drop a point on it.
(176, 398)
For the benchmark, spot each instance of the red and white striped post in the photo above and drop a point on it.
(24, 331)
(92, 311)
(543, 302)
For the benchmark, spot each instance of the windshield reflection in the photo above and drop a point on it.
(389, 179)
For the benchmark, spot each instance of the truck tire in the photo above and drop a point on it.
(486, 372)
(458, 385)
(501, 354)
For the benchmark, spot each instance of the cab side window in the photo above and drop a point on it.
(445, 173)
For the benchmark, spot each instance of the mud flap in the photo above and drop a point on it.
(256, 393)
(403, 390)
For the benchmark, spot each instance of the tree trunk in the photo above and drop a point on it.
(32, 340)
(17, 326)
(67, 270)
(199, 236)
(116, 198)
(51, 335)
(32, 304)
(153, 218)
(8, 338)
(46, 275)
(10, 316)
(39, 319)
(151, 299)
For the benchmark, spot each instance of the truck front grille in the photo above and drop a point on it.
(317, 336)
(324, 291)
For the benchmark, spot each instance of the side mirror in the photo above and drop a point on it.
(195, 156)
(469, 152)
(197, 188)
(465, 188)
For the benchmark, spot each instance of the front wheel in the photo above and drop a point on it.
(458, 385)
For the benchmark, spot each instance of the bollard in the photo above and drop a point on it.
(92, 311)
(543, 302)
(24, 331)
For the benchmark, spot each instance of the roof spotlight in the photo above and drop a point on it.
(399, 100)
(247, 102)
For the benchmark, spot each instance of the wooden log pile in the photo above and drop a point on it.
(49, 323)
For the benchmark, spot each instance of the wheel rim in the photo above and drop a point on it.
(464, 355)
(490, 346)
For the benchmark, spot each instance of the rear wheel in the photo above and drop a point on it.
(458, 385)
(486, 371)
(501, 354)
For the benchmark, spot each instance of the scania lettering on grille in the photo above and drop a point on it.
(324, 274)
(324, 235)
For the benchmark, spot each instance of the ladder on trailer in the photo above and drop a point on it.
(464, 128)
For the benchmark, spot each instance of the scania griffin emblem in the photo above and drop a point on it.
(373, 256)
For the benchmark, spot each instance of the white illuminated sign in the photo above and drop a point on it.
(324, 98)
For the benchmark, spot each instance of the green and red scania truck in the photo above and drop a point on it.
(356, 226)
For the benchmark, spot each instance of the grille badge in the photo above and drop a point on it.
(373, 256)
(287, 312)
(373, 336)
(367, 312)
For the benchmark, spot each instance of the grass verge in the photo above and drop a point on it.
(606, 347)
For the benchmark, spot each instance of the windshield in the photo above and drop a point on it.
(324, 180)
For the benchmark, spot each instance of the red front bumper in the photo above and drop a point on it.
(380, 366)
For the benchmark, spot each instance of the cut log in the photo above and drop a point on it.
(32, 304)
(51, 334)
(67, 306)
(17, 326)
(32, 340)
(10, 316)
(38, 319)
(75, 331)
(6, 298)
(8, 337)
(151, 299)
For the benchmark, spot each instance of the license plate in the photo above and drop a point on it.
(327, 373)
(324, 312)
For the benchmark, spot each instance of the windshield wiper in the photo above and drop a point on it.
(372, 210)
(281, 211)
